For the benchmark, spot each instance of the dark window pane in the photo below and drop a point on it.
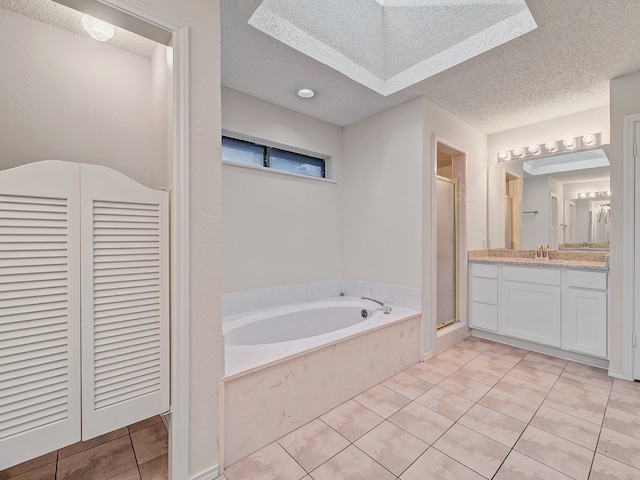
(242, 152)
(296, 163)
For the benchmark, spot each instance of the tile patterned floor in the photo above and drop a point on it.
(480, 410)
(136, 452)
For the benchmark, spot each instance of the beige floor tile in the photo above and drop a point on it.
(435, 465)
(445, 362)
(622, 422)
(507, 352)
(494, 363)
(567, 426)
(626, 388)
(156, 469)
(350, 464)
(445, 403)
(94, 442)
(521, 388)
(313, 444)
(588, 374)
(144, 423)
(494, 425)
(533, 375)
(382, 401)
(28, 465)
(391, 447)
(407, 385)
(480, 374)
(98, 463)
(583, 390)
(605, 468)
(459, 354)
(624, 403)
(555, 452)
(620, 447)
(576, 406)
(224, 477)
(475, 451)
(150, 442)
(515, 407)
(46, 472)
(132, 474)
(465, 387)
(521, 467)
(427, 372)
(269, 463)
(477, 344)
(546, 363)
(351, 420)
(421, 422)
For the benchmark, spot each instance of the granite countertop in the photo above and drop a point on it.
(558, 259)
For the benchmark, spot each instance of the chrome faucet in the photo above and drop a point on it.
(386, 308)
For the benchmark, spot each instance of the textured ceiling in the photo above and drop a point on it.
(392, 46)
(562, 67)
(57, 15)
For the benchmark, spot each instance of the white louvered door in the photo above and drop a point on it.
(39, 310)
(125, 324)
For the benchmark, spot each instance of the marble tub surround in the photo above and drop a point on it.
(495, 412)
(556, 258)
(235, 303)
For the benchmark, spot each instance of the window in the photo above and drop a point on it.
(247, 153)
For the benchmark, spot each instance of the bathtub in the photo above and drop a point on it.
(286, 365)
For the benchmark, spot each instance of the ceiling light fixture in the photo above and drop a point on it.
(581, 142)
(306, 93)
(98, 29)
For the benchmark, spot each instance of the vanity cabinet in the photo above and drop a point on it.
(586, 313)
(558, 307)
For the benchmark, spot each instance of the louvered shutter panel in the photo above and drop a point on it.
(125, 323)
(39, 310)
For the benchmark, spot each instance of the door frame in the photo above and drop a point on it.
(179, 230)
(630, 271)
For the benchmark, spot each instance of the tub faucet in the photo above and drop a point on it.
(386, 308)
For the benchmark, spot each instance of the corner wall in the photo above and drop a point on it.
(279, 229)
(625, 100)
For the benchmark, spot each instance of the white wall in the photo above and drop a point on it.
(382, 197)
(625, 100)
(589, 121)
(279, 229)
(67, 97)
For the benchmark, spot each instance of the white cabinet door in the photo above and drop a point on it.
(125, 316)
(39, 310)
(531, 311)
(585, 328)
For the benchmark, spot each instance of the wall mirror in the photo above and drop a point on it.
(562, 200)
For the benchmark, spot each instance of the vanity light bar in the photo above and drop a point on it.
(569, 144)
(594, 194)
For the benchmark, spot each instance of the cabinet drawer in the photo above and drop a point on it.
(484, 316)
(584, 279)
(484, 270)
(484, 290)
(546, 276)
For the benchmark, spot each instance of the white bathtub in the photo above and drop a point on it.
(287, 365)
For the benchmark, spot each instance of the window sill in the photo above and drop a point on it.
(278, 172)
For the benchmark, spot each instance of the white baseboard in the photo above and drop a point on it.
(208, 474)
(427, 356)
(615, 374)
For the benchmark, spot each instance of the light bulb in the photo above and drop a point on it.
(589, 139)
(518, 152)
(534, 149)
(569, 142)
(582, 195)
(306, 93)
(503, 155)
(550, 146)
(608, 194)
(592, 195)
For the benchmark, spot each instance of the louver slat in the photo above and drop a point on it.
(39, 310)
(125, 324)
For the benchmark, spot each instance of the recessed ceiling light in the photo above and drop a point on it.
(98, 29)
(306, 93)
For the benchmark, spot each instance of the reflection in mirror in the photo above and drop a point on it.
(562, 200)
